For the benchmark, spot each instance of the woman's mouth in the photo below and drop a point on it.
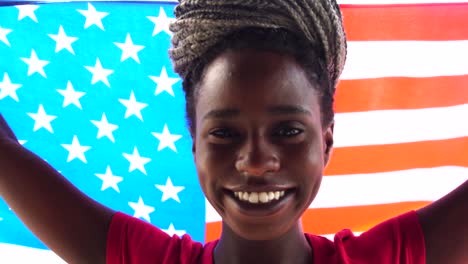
(260, 203)
(259, 197)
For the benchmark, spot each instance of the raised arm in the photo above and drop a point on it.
(70, 223)
(445, 227)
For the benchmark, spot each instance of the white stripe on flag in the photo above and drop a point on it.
(331, 237)
(381, 188)
(374, 59)
(400, 126)
(389, 187)
(14, 254)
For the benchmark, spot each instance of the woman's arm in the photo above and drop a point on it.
(70, 223)
(445, 227)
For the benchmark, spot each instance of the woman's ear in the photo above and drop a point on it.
(328, 143)
(194, 149)
(192, 135)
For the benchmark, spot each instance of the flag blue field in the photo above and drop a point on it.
(90, 88)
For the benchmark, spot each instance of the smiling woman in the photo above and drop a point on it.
(264, 145)
(259, 79)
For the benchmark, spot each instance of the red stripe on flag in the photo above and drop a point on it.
(213, 231)
(394, 157)
(332, 220)
(401, 93)
(356, 218)
(406, 22)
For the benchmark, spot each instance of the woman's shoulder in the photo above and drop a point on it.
(131, 240)
(396, 240)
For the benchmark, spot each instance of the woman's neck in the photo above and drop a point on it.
(292, 247)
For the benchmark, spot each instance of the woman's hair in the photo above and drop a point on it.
(310, 31)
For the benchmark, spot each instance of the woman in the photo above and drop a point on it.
(259, 78)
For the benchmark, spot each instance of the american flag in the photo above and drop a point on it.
(90, 88)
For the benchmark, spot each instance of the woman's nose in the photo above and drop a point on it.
(257, 157)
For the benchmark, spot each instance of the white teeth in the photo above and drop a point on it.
(271, 195)
(262, 197)
(253, 198)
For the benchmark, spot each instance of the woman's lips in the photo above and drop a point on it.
(259, 204)
(259, 197)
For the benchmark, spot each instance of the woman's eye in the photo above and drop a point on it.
(222, 133)
(288, 132)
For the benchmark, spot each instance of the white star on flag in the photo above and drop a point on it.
(42, 119)
(105, 129)
(27, 11)
(8, 89)
(164, 83)
(99, 73)
(137, 162)
(75, 150)
(166, 139)
(141, 210)
(3, 35)
(109, 180)
(129, 50)
(169, 191)
(62, 41)
(133, 107)
(161, 22)
(171, 231)
(71, 96)
(93, 17)
(35, 64)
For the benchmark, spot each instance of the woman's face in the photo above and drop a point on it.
(259, 145)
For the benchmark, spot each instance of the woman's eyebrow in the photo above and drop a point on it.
(222, 113)
(274, 110)
(288, 109)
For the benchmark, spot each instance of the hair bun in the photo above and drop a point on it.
(201, 24)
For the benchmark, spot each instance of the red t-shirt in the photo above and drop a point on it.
(398, 240)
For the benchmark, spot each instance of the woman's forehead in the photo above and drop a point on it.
(251, 69)
(254, 80)
(247, 60)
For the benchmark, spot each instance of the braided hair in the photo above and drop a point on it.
(309, 30)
